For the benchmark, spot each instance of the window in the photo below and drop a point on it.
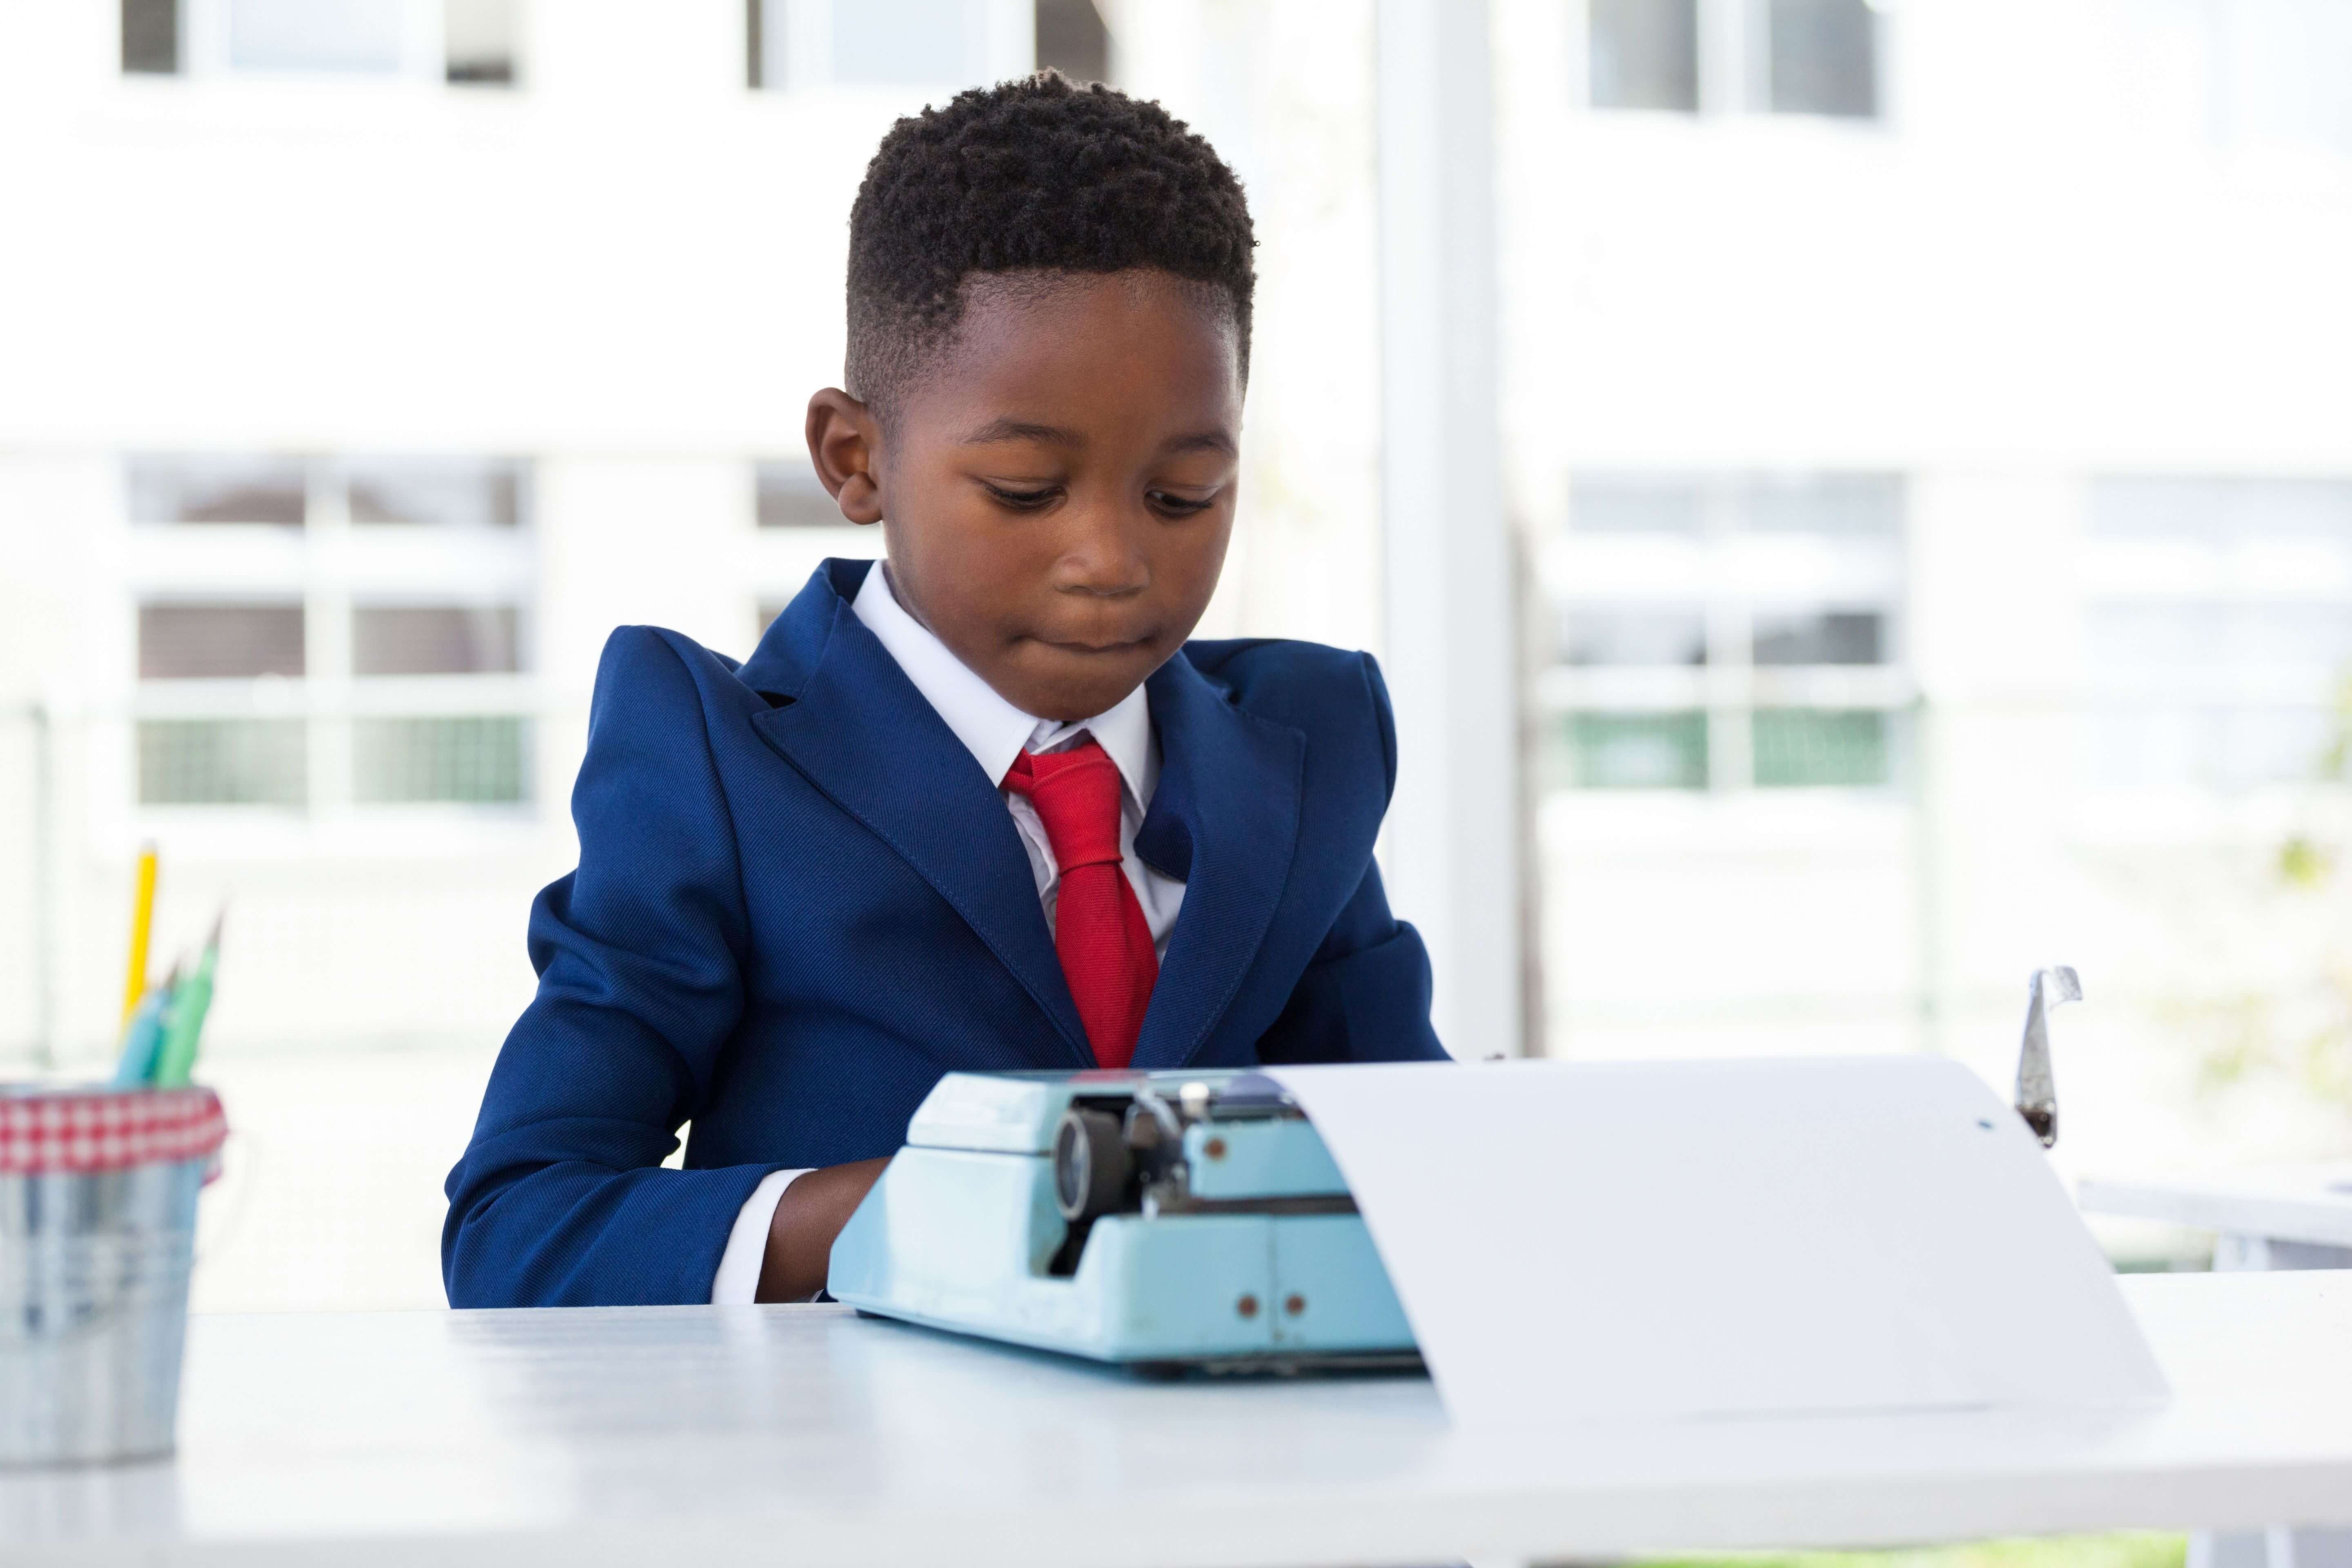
(434, 640)
(467, 758)
(217, 641)
(364, 641)
(223, 761)
(150, 38)
(461, 41)
(1797, 746)
(1823, 58)
(921, 44)
(1819, 636)
(1659, 637)
(1726, 632)
(1780, 57)
(447, 492)
(789, 496)
(2217, 633)
(1072, 39)
(765, 60)
(482, 42)
(1643, 54)
(1633, 750)
(271, 490)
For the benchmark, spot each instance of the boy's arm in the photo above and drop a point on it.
(1365, 997)
(560, 1199)
(809, 1215)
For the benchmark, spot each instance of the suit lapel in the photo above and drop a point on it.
(1223, 818)
(855, 727)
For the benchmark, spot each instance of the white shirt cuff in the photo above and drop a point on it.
(738, 1280)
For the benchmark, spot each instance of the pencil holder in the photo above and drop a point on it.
(97, 1217)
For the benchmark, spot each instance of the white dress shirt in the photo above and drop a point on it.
(995, 733)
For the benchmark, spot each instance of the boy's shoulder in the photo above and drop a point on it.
(635, 653)
(1306, 685)
(1257, 671)
(651, 679)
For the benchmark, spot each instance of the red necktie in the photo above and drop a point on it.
(1099, 930)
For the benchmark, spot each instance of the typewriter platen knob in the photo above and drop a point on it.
(1090, 1163)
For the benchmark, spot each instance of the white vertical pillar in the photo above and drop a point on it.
(1452, 858)
(1008, 34)
(1155, 52)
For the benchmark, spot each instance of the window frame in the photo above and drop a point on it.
(2221, 556)
(798, 35)
(203, 38)
(1716, 569)
(332, 567)
(1733, 65)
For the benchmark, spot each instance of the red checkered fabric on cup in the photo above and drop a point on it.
(104, 1130)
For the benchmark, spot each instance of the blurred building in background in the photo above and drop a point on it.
(1926, 422)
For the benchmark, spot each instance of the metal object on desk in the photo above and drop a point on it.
(98, 1211)
(1164, 1221)
(2037, 1090)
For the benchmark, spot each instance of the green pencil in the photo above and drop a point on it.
(176, 1057)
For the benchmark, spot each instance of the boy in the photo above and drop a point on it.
(979, 807)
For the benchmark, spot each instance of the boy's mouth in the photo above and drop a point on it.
(1129, 646)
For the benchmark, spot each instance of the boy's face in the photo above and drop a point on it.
(1058, 487)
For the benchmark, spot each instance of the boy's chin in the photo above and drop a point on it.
(1084, 686)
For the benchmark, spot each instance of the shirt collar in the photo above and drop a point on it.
(993, 730)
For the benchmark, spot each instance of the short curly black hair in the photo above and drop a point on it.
(1035, 175)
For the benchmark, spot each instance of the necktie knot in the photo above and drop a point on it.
(1075, 792)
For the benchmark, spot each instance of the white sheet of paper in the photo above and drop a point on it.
(1717, 1238)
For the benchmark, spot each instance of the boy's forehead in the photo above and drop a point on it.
(1075, 342)
(1141, 308)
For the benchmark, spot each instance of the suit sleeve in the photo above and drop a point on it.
(1365, 995)
(560, 1199)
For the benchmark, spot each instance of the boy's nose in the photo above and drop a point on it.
(1101, 555)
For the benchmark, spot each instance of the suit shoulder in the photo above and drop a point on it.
(1334, 693)
(1277, 671)
(644, 670)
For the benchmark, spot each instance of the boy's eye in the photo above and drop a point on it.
(1168, 501)
(1021, 499)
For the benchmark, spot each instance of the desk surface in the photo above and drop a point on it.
(726, 1435)
(2291, 1203)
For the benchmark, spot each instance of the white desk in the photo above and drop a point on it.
(2286, 1217)
(806, 1435)
(2279, 1217)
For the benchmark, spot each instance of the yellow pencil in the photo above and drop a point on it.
(142, 920)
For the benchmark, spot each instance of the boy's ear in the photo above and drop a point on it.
(844, 442)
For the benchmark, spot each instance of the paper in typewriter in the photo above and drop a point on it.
(1719, 1238)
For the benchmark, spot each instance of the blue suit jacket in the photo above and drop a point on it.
(799, 902)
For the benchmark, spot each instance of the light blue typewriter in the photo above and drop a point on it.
(1164, 1221)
